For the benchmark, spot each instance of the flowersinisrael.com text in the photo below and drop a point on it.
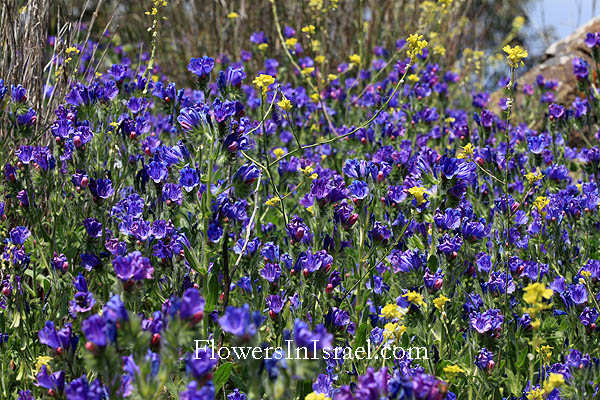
(289, 351)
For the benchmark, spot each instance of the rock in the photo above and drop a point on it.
(557, 65)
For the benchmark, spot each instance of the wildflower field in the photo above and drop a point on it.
(279, 226)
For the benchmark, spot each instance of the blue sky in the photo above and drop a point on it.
(563, 15)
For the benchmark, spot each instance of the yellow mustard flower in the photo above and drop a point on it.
(285, 104)
(540, 203)
(291, 42)
(419, 193)
(533, 177)
(392, 311)
(414, 297)
(316, 396)
(273, 201)
(466, 153)
(233, 15)
(515, 55)
(554, 381)
(440, 302)
(263, 82)
(453, 370)
(355, 59)
(310, 29)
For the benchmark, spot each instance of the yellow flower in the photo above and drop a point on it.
(419, 193)
(42, 360)
(310, 29)
(515, 55)
(415, 45)
(154, 78)
(263, 46)
(307, 170)
(414, 78)
(332, 77)
(233, 15)
(315, 97)
(263, 81)
(114, 124)
(272, 201)
(535, 324)
(393, 330)
(291, 42)
(440, 50)
(518, 22)
(554, 381)
(308, 70)
(392, 311)
(320, 59)
(450, 120)
(534, 177)
(453, 370)
(535, 292)
(315, 45)
(540, 203)
(72, 49)
(98, 74)
(585, 274)
(285, 104)
(535, 394)
(440, 302)
(355, 59)
(466, 153)
(414, 297)
(545, 353)
(279, 152)
(311, 210)
(316, 396)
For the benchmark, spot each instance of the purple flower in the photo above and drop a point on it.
(188, 178)
(189, 118)
(206, 392)
(201, 66)
(556, 111)
(298, 231)
(94, 329)
(578, 294)
(192, 305)
(62, 339)
(118, 72)
(592, 40)
(359, 190)
(239, 321)
(55, 381)
(580, 68)
(318, 339)
(19, 234)
(271, 272)
(18, 93)
(93, 227)
(275, 303)
(157, 171)
(200, 363)
(133, 266)
(485, 359)
(101, 188)
(172, 192)
(27, 118)
(488, 322)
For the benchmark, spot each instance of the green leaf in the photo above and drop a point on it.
(193, 260)
(222, 376)
(213, 290)
(361, 336)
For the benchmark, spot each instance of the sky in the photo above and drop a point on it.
(564, 16)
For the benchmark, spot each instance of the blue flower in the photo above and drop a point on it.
(201, 67)
(19, 235)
